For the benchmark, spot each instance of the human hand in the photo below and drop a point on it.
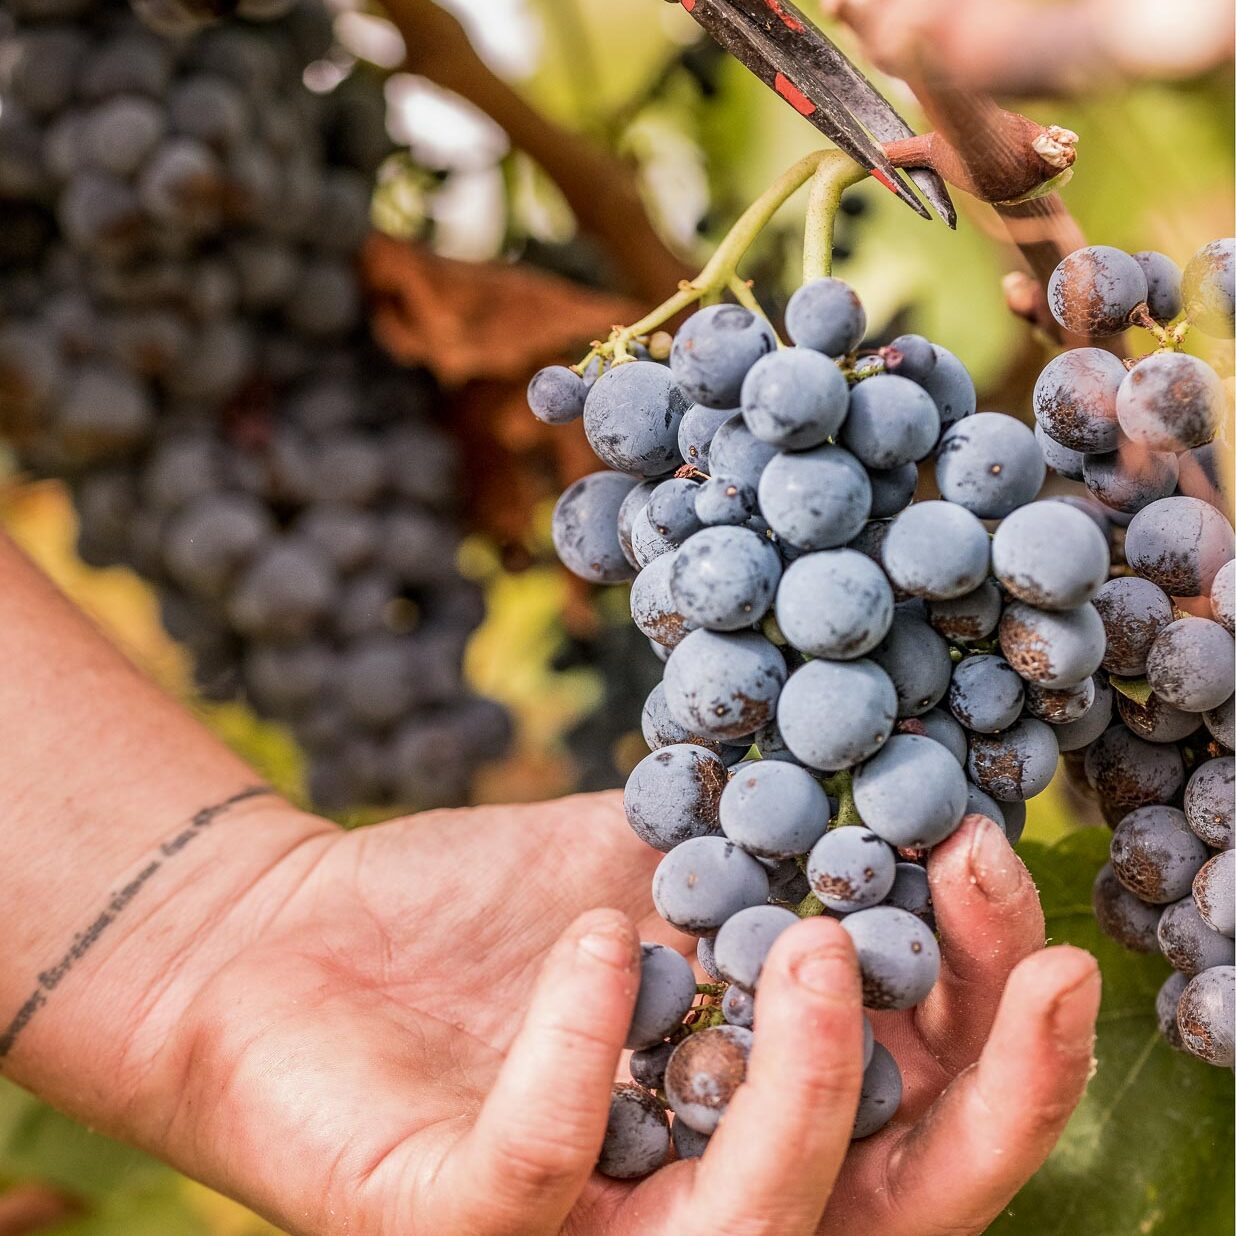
(345, 1052)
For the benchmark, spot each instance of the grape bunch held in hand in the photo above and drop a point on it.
(1152, 440)
(848, 673)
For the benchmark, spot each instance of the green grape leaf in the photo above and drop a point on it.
(1136, 689)
(1149, 1150)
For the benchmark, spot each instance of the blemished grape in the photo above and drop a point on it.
(912, 793)
(648, 1065)
(671, 509)
(1222, 723)
(938, 551)
(833, 714)
(990, 464)
(985, 694)
(674, 794)
(969, 617)
(713, 351)
(705, 880)
(653, 607)
(898, 956)
(1189, 943)
(1155, 854)
(1127, 919)
(703, 1074)
(1060, 459)
(794, 398)
(1130, 477)
(910, 356)
(723, 684)
(951, 388)
(1207, 287)
(1075, 400)
(1095, 289)
(917, 661)
(1214, 892)
(722, 501)
(891, 422)
(773, 809)
(734, 451)
(1129, 772)
(704, 955)
(585, 527)
(637, 1135)
(1026, 556)
(666, 992)
(1165, 1005)
(1076, 735)
(816, 499)
(851, 869)
(661, 730)
(1190, 664)
(631, 418)
(880, 1096)
(1163, 277)
(1208, 801)
(745, 940)
(1205, 1015)
(1133, 611)
(1179, 543)
(835, 604)
(696, 430)
(725, 578)
(738, 1006)
(979, 802)
(1053, 649)
(647, 544)
(1170, 402)
(826, 316)
(1060, 706)
(1223, 596)
(556, 395)
(688, 1144)
(1015, 764)
(1156, 720)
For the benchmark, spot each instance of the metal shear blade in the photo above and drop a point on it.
(776, 42)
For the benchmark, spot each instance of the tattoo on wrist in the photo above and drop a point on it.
(115, 905)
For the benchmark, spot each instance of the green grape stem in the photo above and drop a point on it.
(830, 171)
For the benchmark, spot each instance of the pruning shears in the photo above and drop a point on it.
(788, 54)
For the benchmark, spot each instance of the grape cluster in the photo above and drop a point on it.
(182, 337)
(848, 673)
(1153, 442)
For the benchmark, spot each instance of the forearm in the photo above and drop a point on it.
(127, 829)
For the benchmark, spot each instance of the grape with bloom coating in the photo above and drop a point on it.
(835, 604)
(715, 348)
(1130, 477)
(1094, 290)
(815, 499)
(1190, 664)
(723, 684)
(832, 714)
(1075, 399)
(937, 550)
(851, 869)
(631, 417)
(1026, 556)
(556, 395)
(1179, 543)
(703, 881)
(673, 794)
(891, 421)
(794, 398)
(897, 955)
(972, 616)
(1053, 649)
(912, 793)
(585, 527)
(1060, 459)
(826, 316)
(985, 695)
(774, 809)
(743, 943)
(880, 1096)
(1163, 277)
(1015, 764)
(666, 992)
(724, 578)
(637, 1136)
(990, 464)
(1170, 401)
(917, 660)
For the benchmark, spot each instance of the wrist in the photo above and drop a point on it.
(89, 1005)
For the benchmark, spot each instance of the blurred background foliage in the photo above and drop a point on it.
(1151, 1149)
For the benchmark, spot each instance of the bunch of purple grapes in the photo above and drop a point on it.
(1152, 440)
(848, 673)
(183, 338)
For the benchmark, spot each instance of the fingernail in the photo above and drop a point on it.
(825, 973)
(994, 868)
(1072, 1012)
(609, 945)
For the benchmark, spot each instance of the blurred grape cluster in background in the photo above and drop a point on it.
(551, 168)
